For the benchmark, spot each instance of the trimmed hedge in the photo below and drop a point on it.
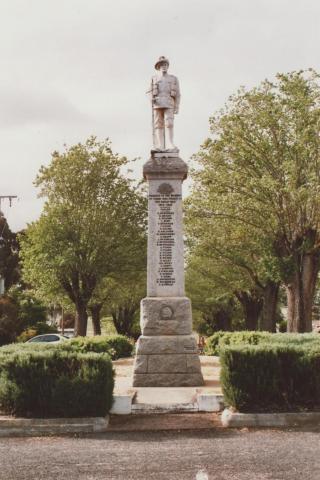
(35, 382)
(271, 378)
(117, 346)
(219, 340)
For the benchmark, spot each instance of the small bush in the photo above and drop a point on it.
(116, 345)
(283, 326)
(35, 382)
(271, 377)
(122, 346)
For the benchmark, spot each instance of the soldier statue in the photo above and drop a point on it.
(165, 98)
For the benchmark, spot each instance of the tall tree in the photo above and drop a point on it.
(214, 280)
(92, 223)
(214, 305)
(261, 169)
(10, 322)
(120, 297)
(9, 256)
(225, 254)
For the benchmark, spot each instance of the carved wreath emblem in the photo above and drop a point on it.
(166, 313)
(165, 189)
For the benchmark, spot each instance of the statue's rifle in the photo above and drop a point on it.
(152, 103)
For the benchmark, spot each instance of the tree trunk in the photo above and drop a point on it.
(223, 320)
(95, 310)
(218, 320)
(81, 320)
(251, 304)
(269, 308)
(300, 293)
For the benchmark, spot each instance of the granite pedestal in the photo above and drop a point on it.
(167, 353)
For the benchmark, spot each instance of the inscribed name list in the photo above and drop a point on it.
(168, 241)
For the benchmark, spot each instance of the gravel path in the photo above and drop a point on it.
(167, 455)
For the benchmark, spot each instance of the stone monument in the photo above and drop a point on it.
(167, 352)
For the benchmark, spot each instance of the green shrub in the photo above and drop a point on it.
(116, 345)
(122, 346)
(31, 310)
(212, 343)
(15, 348)
(271, 377)
(283, 326)
(38, 382)
(219, 340)
(39, 328)
(298, 339)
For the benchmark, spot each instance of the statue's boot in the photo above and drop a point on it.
(159, 139)
(169, 140)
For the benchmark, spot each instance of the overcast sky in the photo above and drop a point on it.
(72, 68)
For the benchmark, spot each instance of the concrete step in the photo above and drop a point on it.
(145, 408)
(164, 400)
(167, 400)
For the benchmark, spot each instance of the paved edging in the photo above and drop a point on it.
(231, 419)
(14, 427)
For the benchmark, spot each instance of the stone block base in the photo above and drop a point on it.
(166, 316)
(178, 363)
(167, 361)
(167, 379)
(165, 344)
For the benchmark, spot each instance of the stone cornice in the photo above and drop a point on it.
(163, 165)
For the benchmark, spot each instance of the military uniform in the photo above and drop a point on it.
(166, 96)
(165, 93)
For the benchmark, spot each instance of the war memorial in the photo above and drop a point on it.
(167, 352)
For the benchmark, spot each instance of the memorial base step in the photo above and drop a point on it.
(167, 379)
(167, 400)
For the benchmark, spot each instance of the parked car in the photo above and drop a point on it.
(48, 338)
(67, 332)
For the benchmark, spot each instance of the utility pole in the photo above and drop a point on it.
(9, 197)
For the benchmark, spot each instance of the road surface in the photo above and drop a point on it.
(168, 455)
